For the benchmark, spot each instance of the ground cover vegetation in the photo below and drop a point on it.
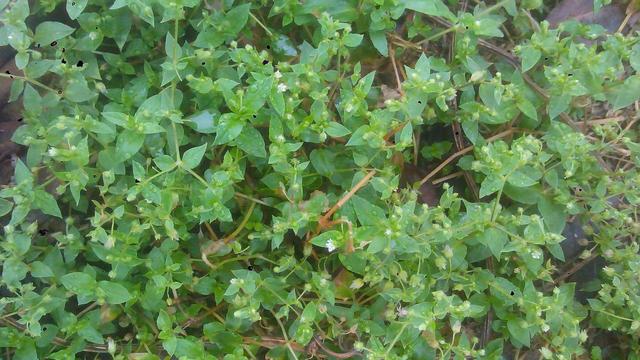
(380, 179)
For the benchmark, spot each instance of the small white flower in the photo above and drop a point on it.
(356, 284)
(545, 327)
(388, 232)
(278, 75)
(52, 152)
(349, 108)
(111, 241)
(536, 254)
(111, 346)
(282, 87)
(330, 245)
(457, 326)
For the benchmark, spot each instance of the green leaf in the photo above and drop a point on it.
(494, 239)
(436, 150)
(429, 7)
(26, 351)
(19, 213)
(47, 203)
(16, 89)
(22, 59)
(203, 122)
(250, 141)
(117, 118)
(114, 292)
(192, 157)
(164, 321)
(13, 271)
(322, 161)
(89, 333)
(368, 214)
(128, 144)
(276, 100)
(40, 270)
(78, 282)
(77, 90)
(356, 138)
(527, 108)
(309, 313)
(152, 128)
(229, 128)
(554, 215)
(5, 207)
(634, 59)
(488, 26)
(335, 129)
(209, 38)
(237, 18)
(529, 57)
(490, 185)
(75, 8)
(327, 239)
(378, 244)
(524, 177)
(22, 172)
(625, 94)
(171, 47)
(405, 137)
(519, 330)
(379, 40)
(353, 40)
(142, 9)
(50, 31)
(164, 162)
(557, 105)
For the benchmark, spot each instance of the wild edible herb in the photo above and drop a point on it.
(229, 179)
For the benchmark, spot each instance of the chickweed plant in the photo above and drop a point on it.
(375, 179)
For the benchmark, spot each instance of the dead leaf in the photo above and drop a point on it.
(427, 193)
(610, 16)
(388, 93)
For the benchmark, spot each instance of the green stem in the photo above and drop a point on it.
(492, 7)
(284, 334)
(614, 315)
(247, 197)
(241, 195)
(261, 24)
(31, 81)
(244, 222)
(494, 212)
(145, 181)
(241, 258)
(395, 340)
(438, 35)
(173, 92)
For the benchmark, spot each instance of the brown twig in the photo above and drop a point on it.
(463, 152)
(345, 355)
(606, 120)
(323, 222)
(214, 246)
(570, 271)
(515, 62)
(392, 55)
(212, 234)
(447, 177)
